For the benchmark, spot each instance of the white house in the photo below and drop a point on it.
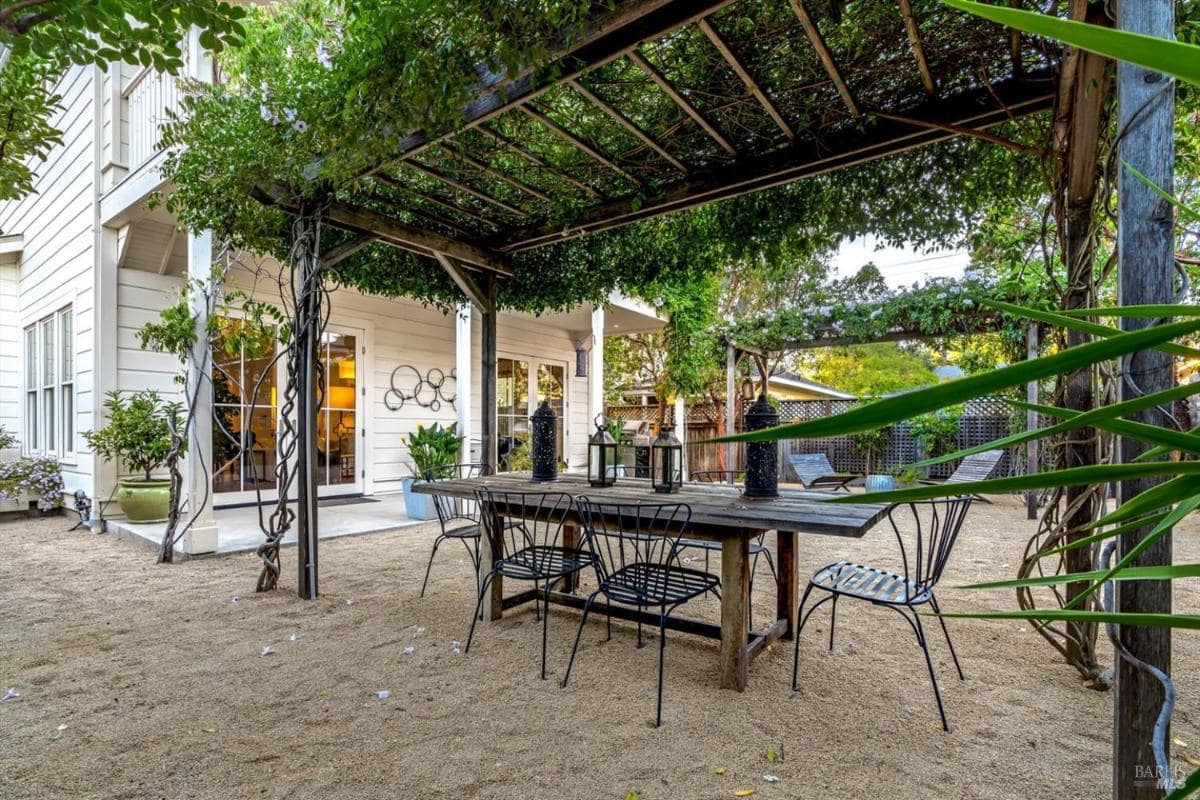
(84, 263)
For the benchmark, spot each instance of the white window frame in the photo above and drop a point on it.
(47, 427)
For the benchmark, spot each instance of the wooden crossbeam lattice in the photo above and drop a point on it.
(624, 122)
(824, 54)
(678, 99)
(579, 144)
(462, 187)
(918, 47)
(534, 158)
(735, 63)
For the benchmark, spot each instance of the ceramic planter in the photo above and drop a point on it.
(880, 483)
(144, 500)
(417, 506)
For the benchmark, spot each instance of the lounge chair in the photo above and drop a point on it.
(815, 472)
(977, 467)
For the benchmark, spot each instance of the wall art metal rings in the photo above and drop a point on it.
(428, 390)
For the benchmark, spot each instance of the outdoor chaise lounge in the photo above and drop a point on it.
(815, 472)
(977, 467)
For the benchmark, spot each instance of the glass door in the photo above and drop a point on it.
(512, 413)
(551, 385)
(339, 441)
(245, 394)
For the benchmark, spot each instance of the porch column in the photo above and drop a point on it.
(104, 364)
(463, 385)
(596, 385)
(1146, 244)
(487, 378)
(681, 432)
(731, 360)
(198, 461)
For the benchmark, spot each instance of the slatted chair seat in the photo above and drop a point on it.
(657, 584)
(815, 472)
(756, 546)
(869, 583)
(539, 563)
(977, 467)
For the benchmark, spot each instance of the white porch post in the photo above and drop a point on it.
(463, 385)
(596, 371)
(681, 433)
(198, 462)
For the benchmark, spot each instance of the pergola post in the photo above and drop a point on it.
(1145, 240)
(1031, 422)
(201, 537)
(596, 371)
(463, 345)
(308, 402)
(487, 378)
(731, 359)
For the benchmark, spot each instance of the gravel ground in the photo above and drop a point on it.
(144, 681)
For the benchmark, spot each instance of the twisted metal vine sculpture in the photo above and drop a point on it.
(429, 383)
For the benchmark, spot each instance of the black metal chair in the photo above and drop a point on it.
(758, 546)
(525, 529)
(459, 519)
(635, 553)
(904, 592)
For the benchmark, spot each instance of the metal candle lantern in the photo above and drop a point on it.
(666, 461)
(602, 456)
(762, 458)
(544, 425)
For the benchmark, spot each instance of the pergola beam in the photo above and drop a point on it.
(388, 180)
(534, 158)
(918, 48)
(735, 63)
(624, 122)
(579, 144)
(520, 186)
(465, 282)
(612, 36)
(341, 252)
(410, 237)
(824, 54)
(678, 99)
(462, 187)
(977, 110)
(961, 130)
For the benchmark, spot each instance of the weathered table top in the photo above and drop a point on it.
(716, 508)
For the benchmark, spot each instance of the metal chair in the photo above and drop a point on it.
(459, 519)
(635, 553)
(758, 546)
(525, 529)
(936, 531)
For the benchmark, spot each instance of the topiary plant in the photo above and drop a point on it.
(138, 432)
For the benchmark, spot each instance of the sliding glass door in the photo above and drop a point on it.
(521, 385)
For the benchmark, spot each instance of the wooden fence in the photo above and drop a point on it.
(983, 420)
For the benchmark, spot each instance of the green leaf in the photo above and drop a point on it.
(893, 409)
(1107, 417)
(1070, 323)
(1173, 58)
(1157, 573)
(1156, 497)
(1184, 209)
(1189, 621)
(1140, 522)
(1189, 788)
(1076, 476)
(1162, 311)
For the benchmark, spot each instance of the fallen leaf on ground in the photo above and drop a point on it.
(10, 694)
(210, 730)
(633, 794)
(266, 651)
(1179, 741)
(769, 778)
(773, 755)
(382, 694)
(1193, 761)
(719, 770)
(743, 793)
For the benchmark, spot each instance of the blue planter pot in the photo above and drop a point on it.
(880, 483)
(417, 506)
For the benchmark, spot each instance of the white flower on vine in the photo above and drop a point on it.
(300, 126)
(289, 114)
(876, 313)
(267, 114)
(324, 56)
(968, 303)
(942, 295)
(288, 51)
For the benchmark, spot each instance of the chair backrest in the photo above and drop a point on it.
(977, 467)
(516, 521)
(929, 542)
(450, 509)
(718, 476)
(620, 535)
(810, 466)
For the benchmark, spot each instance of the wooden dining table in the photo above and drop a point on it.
(719, 512)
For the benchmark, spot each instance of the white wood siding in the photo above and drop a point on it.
(10, 348)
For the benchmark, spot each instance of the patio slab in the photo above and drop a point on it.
(238, 531)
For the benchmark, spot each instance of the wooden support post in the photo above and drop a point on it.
(487, 376)
(1145, 239)
(308, 402)
(786, 580)
(731, 359)
(735, 605)
(1031, 422)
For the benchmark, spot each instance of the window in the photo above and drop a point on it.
(244, 412)
(50, 385)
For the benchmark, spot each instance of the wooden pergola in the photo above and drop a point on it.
(663, 105)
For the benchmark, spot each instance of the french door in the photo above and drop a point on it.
(521, 385)
(246, 396)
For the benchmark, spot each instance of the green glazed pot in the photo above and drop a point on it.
(143, 500)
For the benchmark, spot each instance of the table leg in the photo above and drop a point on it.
(735, 601)
(493, 608)
(785, 570)
(570, 540)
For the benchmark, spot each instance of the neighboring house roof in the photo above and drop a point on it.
(792, 383)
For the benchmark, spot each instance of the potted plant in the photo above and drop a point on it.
(616, 429)
(936, 433)
(870, 445)
(434, 451)
(138, 434)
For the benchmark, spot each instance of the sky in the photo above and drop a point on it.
(900, 265)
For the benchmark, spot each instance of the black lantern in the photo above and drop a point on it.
(544, 425)
(602, 455)
(666, 461)
(762, 458)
